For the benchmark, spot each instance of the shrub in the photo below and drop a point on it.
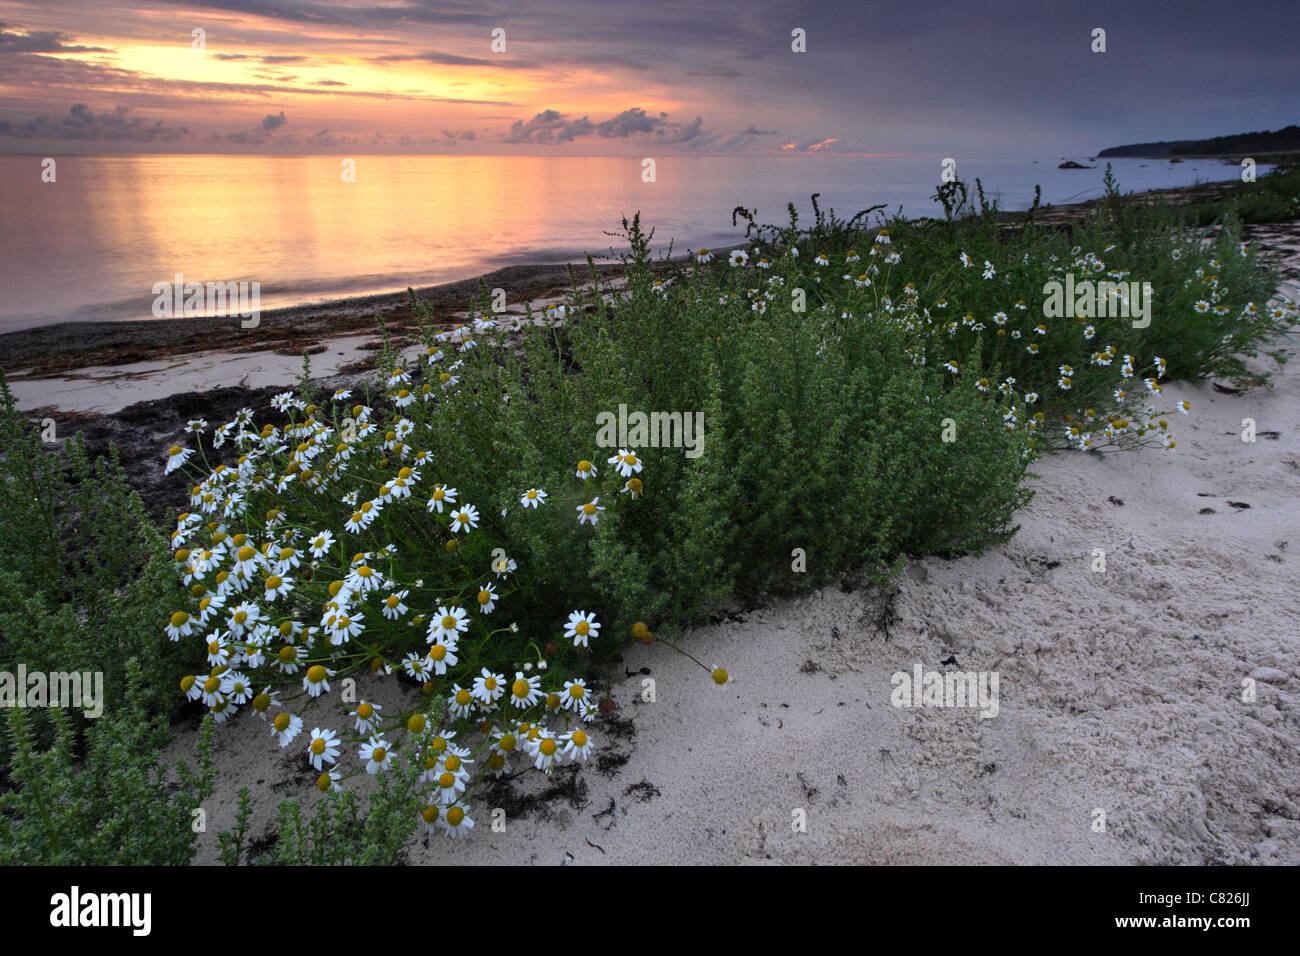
(449, 526)
(115, 808)
(86, 574)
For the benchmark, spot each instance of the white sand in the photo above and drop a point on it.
(1119, 691)
(107, 390)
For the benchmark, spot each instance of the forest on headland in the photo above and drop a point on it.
(1268, 141)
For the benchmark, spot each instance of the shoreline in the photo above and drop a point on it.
(48, 350)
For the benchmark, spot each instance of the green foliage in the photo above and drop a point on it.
(86, 576)
(336, 834)
(117, 807)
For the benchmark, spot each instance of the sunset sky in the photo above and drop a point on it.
(616, 77)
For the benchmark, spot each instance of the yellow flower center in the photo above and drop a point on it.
(463, 697)
(520, 688)
(582, 628)
(316, 673)
(589, 508)
(318, 746)
(484, 597)
(281, 722)
(547, 747)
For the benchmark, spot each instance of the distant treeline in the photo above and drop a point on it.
(1242, 144)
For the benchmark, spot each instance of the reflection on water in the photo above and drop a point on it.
(92, 244)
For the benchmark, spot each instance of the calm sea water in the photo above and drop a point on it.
(91, 245)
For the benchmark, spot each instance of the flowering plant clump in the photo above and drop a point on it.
(974, 300)
(339, 544)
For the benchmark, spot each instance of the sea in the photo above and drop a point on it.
(91, 244)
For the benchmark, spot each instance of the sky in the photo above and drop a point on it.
(639, 77)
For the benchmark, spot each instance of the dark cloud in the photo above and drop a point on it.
(271, 121)
(41, 41)
(268, 60)
(551, 126)
(455, 59)
(83, 123)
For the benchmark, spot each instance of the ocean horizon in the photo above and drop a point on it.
(91, 245)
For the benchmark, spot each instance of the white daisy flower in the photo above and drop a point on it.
(581, 627)
(323, 748)
(590, 511)
(393, 608)
(626, 463)
(316, 680)
(455, 822)
(177, 457)
(448, 622)
(367, 717)
(286, 726)
(524, 691)
(488, 687)
(464, 518)
(441, 495)
(577, 745)
(377, 755)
